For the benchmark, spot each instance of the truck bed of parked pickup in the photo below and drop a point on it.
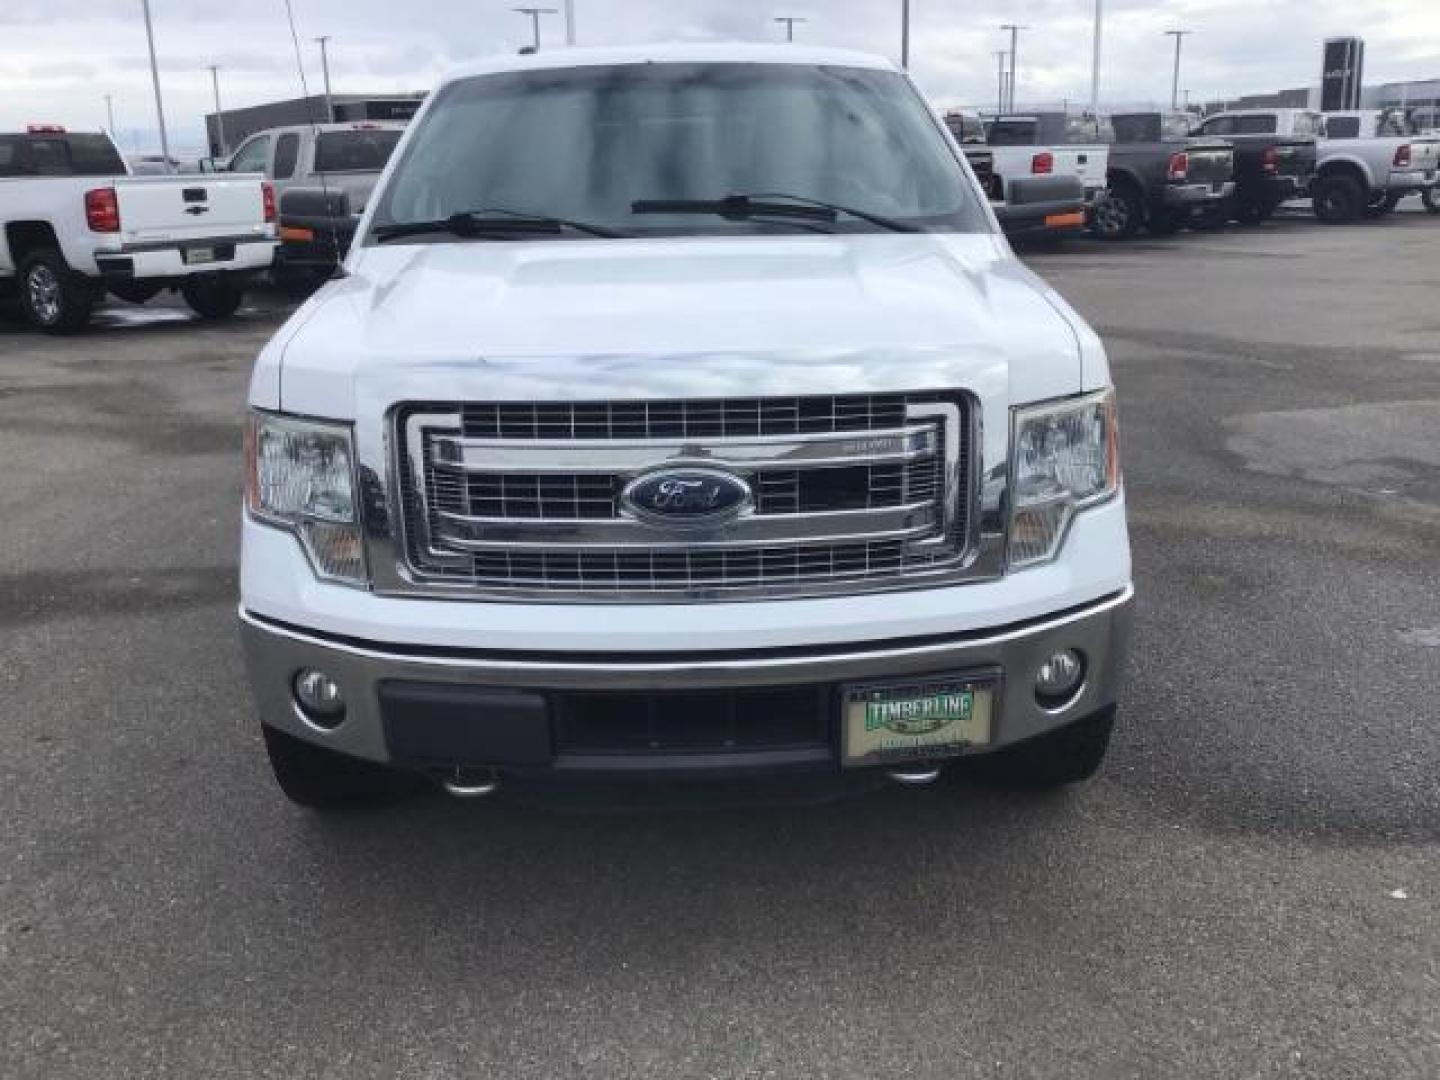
(74, 224)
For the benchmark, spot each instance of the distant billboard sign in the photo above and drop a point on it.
(1342, 72)
(378, 109)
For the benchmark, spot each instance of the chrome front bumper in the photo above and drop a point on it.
(274, 653)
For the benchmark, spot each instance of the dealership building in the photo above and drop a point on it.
(239, 124)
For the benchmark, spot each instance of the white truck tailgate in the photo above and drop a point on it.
(1087, 162)
(1090, 163)
(200, 207)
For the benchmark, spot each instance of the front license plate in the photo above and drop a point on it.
(195, 255)
(887, 722)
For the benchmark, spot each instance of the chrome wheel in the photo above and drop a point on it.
(43, 288)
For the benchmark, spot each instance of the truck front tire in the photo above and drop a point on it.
(324, 780)
(1067, 756)
(1431, 198)
(213, 297)
(54, 298)
(1338, 199)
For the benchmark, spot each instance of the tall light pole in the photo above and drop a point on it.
(1014, 58)
(219, 115)
(110, 116)
(324, 40)
(1000, 55)
(790, 21)
(1179, 36)
(534, 13)
(155, 78)
(1095, 60)
(570, 23)
(905, 34)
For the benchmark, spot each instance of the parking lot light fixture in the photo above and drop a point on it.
(1179, 36)
(1095, 59)
(155, 79)
(790, 21)
(1014, 29)
(534, 13)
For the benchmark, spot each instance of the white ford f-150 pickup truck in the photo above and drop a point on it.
(74, 223)
(681, 413)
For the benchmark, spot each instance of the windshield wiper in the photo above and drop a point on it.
(768, 204)
(493, 223)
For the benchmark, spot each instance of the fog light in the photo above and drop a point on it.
(319, 697)
(1059, 677)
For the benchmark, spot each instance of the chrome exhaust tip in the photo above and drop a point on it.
(471, 783)
(915, 777)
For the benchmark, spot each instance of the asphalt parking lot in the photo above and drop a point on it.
(1250, 889)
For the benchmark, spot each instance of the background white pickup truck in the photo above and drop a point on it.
(74, 223)
(1047, 145)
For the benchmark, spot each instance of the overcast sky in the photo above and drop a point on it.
(59, 57)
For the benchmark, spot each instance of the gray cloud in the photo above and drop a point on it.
(61, 56)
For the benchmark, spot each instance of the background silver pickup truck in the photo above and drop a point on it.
(1366, 161)
(340, 157)
(323, 176)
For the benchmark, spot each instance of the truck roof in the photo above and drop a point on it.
(687, 53)
(344, 125)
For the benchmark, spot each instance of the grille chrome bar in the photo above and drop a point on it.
(851, 493)
(837, 527)
(812, 451)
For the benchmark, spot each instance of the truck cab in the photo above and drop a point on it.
(682, 415)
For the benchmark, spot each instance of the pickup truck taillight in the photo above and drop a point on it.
(267, 197)
(1270, 160)
(1043, 163)
(102, 210)
(1402, 156)
(1179, 166)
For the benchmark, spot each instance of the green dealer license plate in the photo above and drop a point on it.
(909, 721)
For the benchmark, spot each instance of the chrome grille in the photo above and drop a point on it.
(850, 491)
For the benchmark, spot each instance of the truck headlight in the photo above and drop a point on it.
(1063, 458)
(300, 475)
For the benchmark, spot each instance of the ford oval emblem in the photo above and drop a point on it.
(687, 497)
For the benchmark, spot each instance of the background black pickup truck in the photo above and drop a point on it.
(316, 227)
(1269, 168)
(1161, 178)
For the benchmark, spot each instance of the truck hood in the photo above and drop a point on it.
(752, 316)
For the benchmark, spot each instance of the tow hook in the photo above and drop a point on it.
(915, 776)
(470, 783)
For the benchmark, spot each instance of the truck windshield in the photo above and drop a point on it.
(354, 151)
(589, 143)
